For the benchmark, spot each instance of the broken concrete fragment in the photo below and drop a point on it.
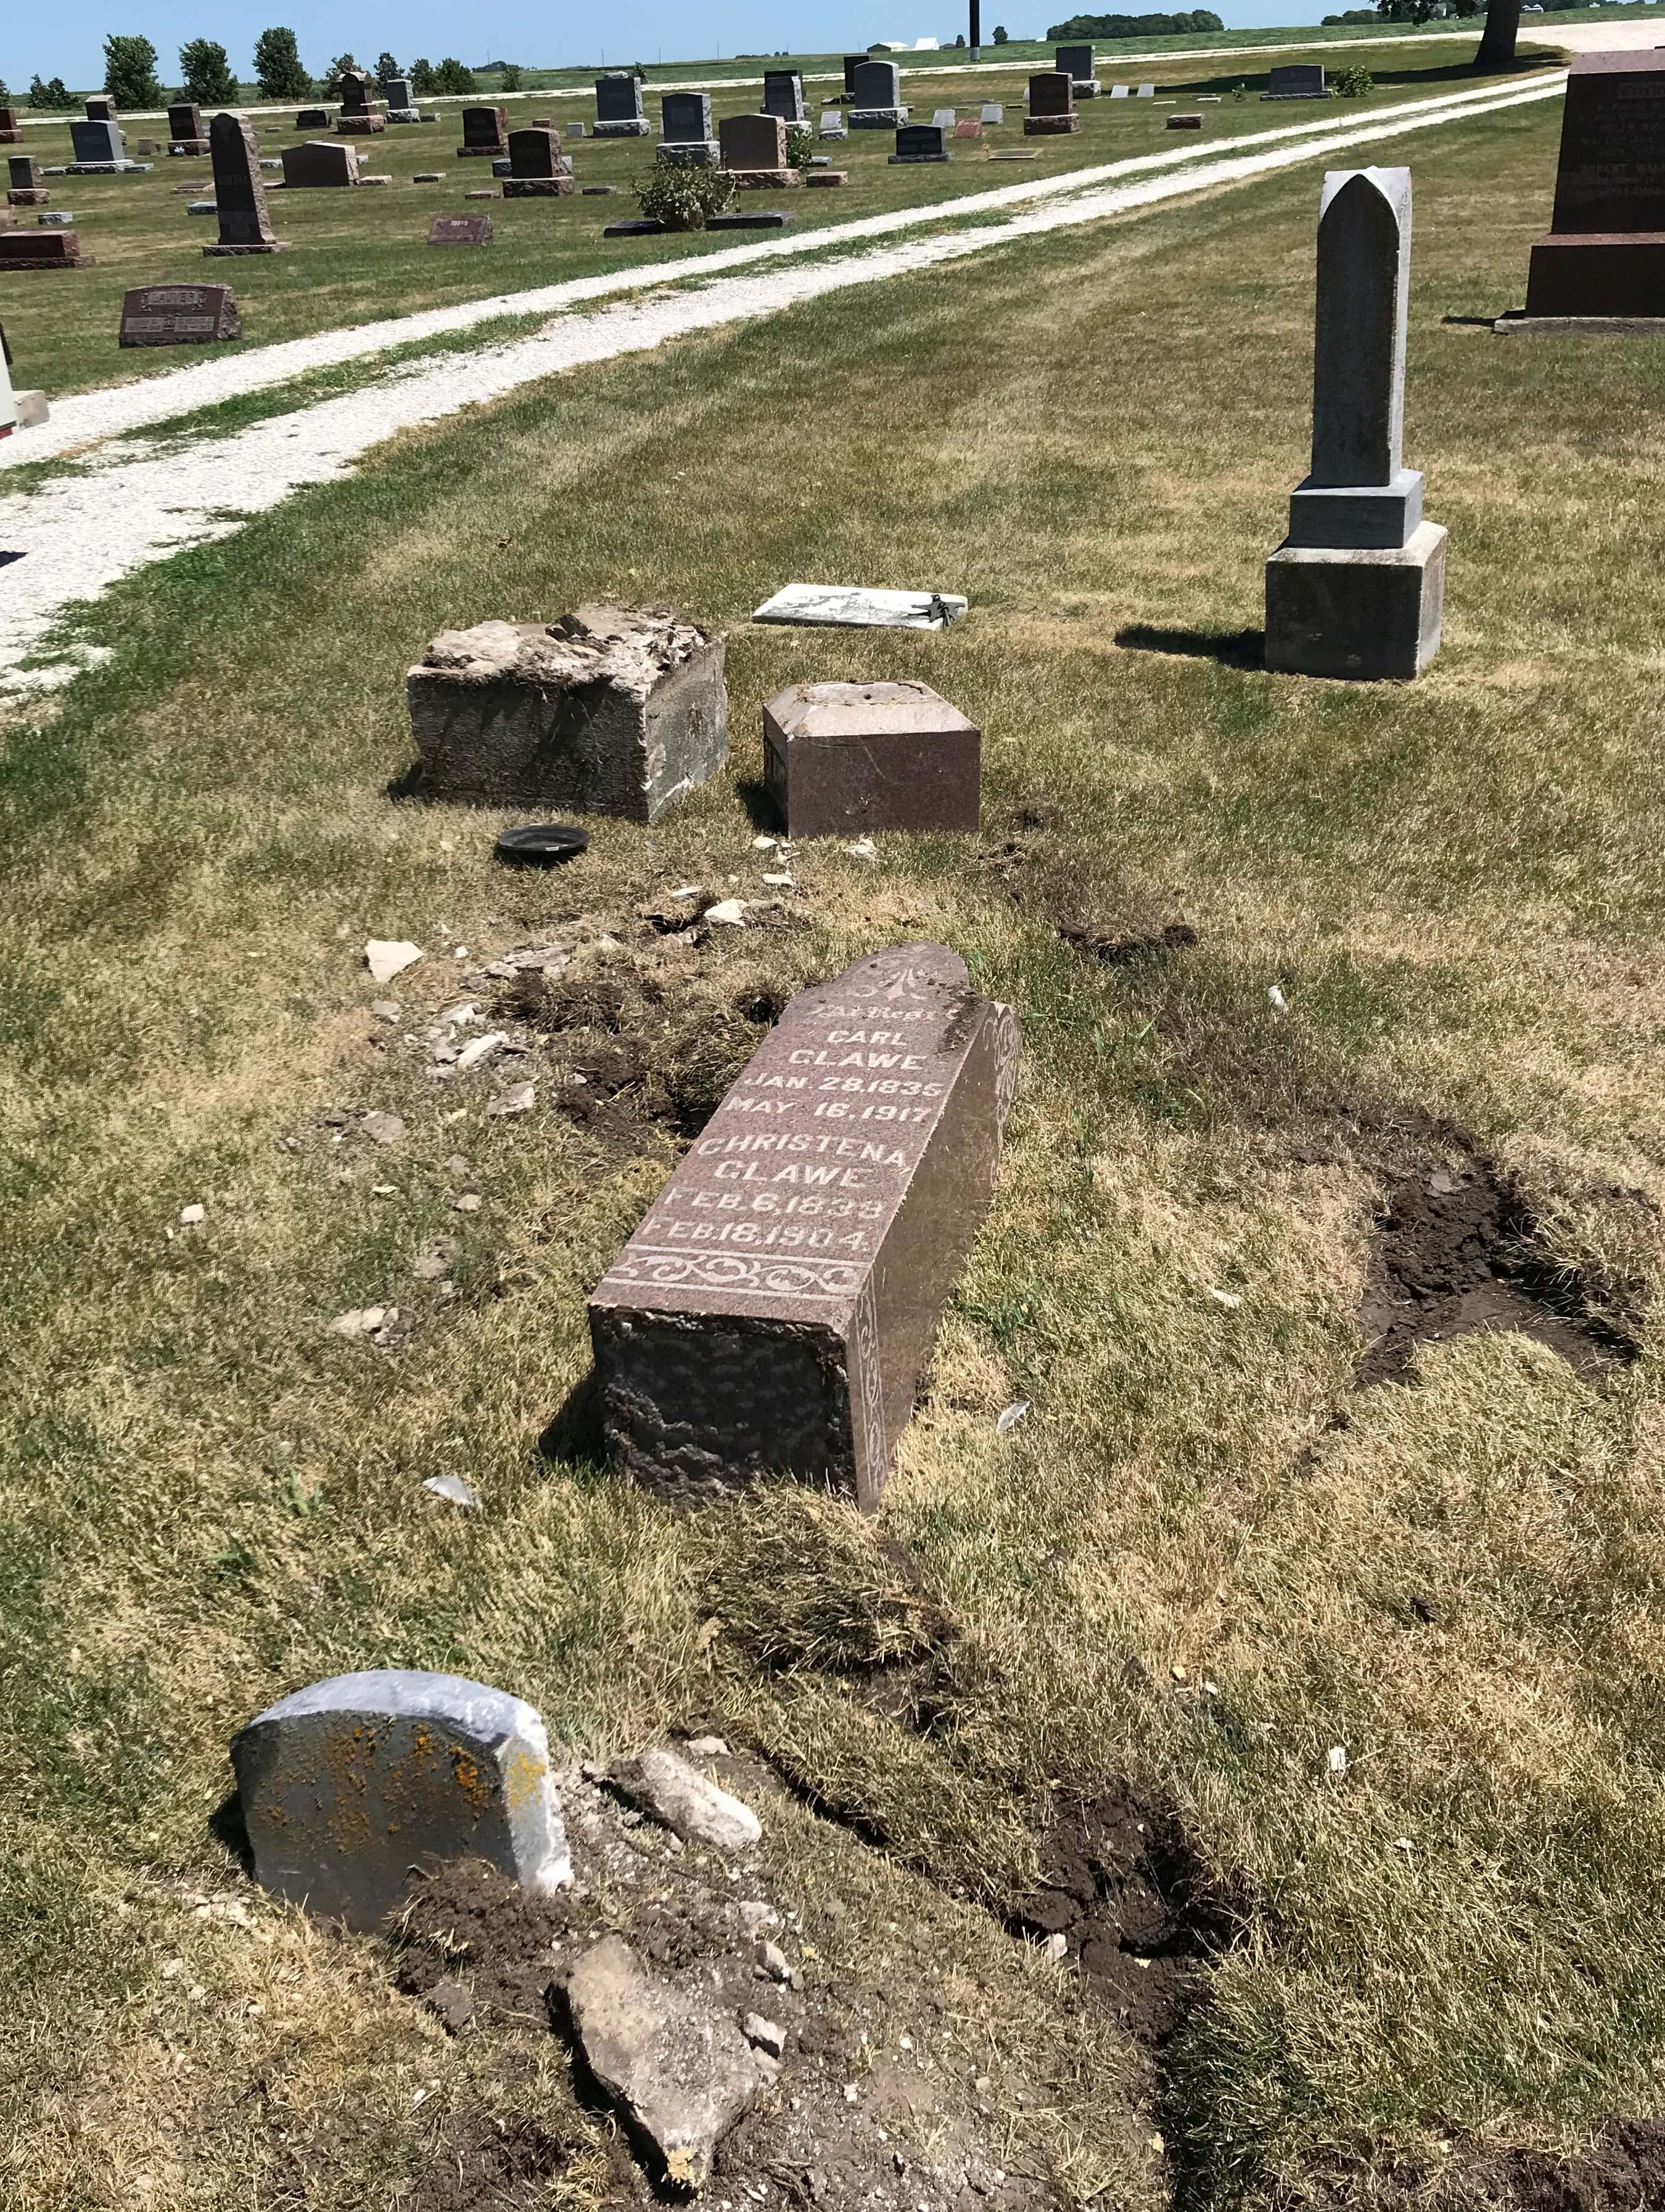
(382, 1129)
(771, 1961)
(682, 1799)
(347, 1785)
(682, 2072)
(763, 2035)
(611, 710)
(437, 1260)
(453, 2003)
(453, 1489)
(520, 1098)
(387, 957)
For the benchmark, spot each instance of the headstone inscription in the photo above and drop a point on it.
(776, 1308)
(320, 161)
(1296, 81)
(619, 106)
(43, 249)
(178, 314)
(186, 134)
(460, 230)
(1081, 66)
(1051, 105)
(689, 140)
(537, 168)
(1357, 588)
(993, 111)
(347, 1787)
(920, 142)
(23, 175)
(878, 98)
(755, 152)
(844, 759)
(11, 130)
(611, 710)
(1604, 256)
(240, 190)
(485, 133)
(782, 95)
(360, 115)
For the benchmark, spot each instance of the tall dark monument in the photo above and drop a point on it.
(1605, 253)
(239, 195)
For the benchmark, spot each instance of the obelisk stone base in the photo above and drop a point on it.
(1357, 613)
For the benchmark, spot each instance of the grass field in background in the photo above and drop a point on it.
(361, 255)
(1206, 1559)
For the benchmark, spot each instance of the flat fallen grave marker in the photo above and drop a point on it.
(178, 314)
(460, 230)
(777, 1306)
(857, 607)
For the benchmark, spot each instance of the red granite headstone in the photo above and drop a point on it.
(460, 230)
(11, 132)
(776, 1308)
(178, 314)
(485, 133)
(43, 249)
(186, 134)
(841, 759)
(753, 142)
(1605, 253)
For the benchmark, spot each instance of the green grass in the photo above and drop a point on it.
(209, 1500)
(363, 255)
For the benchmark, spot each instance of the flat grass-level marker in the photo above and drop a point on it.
(855, 607)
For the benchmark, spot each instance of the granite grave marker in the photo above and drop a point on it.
(186, 134)
(484, 134)
(26, 189)
(920, 142)
(178, 314)
(878, 98)
(689, 139)
(42, 250)
(320, 162)
(1081, 66)
(460, 230)
(1051, 105)
(361, 114)
(619, 106)
(1296, 81)
(537, 168)
(240, 190)
(1604, 256)
(845, 759)
(98, 142)
(11, 130)
(775, 1309)
(782, 95)
(755, 152)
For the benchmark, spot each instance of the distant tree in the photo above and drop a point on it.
(1153, 26)
(130, 71)
(330, 88)
(638, 72)
(50, 93)
(1000, 34)
(5, 91)
(277, 69)
(206, 69)
(509, 81)
(452, 77)
(386, 68)
(423, 83)
(959, 38)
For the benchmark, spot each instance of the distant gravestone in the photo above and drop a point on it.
(101, 108)
(42, 249)
(312, 118)
(178, 314)
(775, 1309)
(782, 95)
(1146, 92)
(944, 118)
(25, 187)
(851, 64)
(845, 759)
(400, 100)
(186, 134)
(1119, 91)
(611, 710)
(878, 98)
(1296, 81)
(240, 192)
(348, 1787)
(1051, 105)
(1357, 588)
(754, 150)
(1081, 66)
(96, 142)
(484, 134)
(575, 129)
(11, 130)
(619, 106)
(686, 120)
(833, 124)
(1178, 122)
(920, 142)
(537, 168)
(1604, 256)
(993, 111)
(969, 128)
(360, 115)
(320, 162)
(460, 230)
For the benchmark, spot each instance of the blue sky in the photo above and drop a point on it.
(68, 40)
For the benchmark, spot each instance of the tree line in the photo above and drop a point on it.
(206, 76)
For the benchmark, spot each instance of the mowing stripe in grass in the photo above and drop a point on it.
(86, 418)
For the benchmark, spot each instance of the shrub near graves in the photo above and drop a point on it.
(800, 145)
(684, 200)
(1352, 82)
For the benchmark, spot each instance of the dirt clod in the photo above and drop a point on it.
(1115, 950)
(1623, 2171)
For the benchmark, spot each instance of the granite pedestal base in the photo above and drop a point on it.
(877, 119)
(765, 180)
(1050, 126)
(1598, 273)
(265, 245)
(537, 188)
(632, 127)
(1358, 613)
(689, 153)
(1580, 326)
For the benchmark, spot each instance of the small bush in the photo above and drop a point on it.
(800, 145)
(509, 81)
(1352, 82)
(1239, 90)
(454, 76)
(684, 200)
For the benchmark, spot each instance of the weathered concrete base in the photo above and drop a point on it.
(269, 246)
(1522, 325)
(638, 127)
(1597, 273)
(1383, 517)
(30, 409)
(766, 181)
(878, 118)
(1356, 613)
(1050, 126)
(911, 161)
(612, 710)
(28, 196)
(538, 188)
(689, 153)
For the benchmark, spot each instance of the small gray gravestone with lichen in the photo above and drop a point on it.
(349, 1786)
(1357, 588)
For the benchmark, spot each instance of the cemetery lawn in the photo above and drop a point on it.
(362, 255)
(1375, 1653)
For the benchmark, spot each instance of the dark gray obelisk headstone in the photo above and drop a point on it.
(239, 192)
(349, 1786)
(1356, 589)
(775, 1309)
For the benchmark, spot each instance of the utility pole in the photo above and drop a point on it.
(976, 27)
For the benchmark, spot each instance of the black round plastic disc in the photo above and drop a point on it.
(542, 844)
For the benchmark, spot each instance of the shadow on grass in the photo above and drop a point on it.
(225, 1825)
(575, 1436)
(754, 796)
(1237, 648)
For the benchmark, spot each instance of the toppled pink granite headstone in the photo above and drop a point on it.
(776, 1308)
(611, 710)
